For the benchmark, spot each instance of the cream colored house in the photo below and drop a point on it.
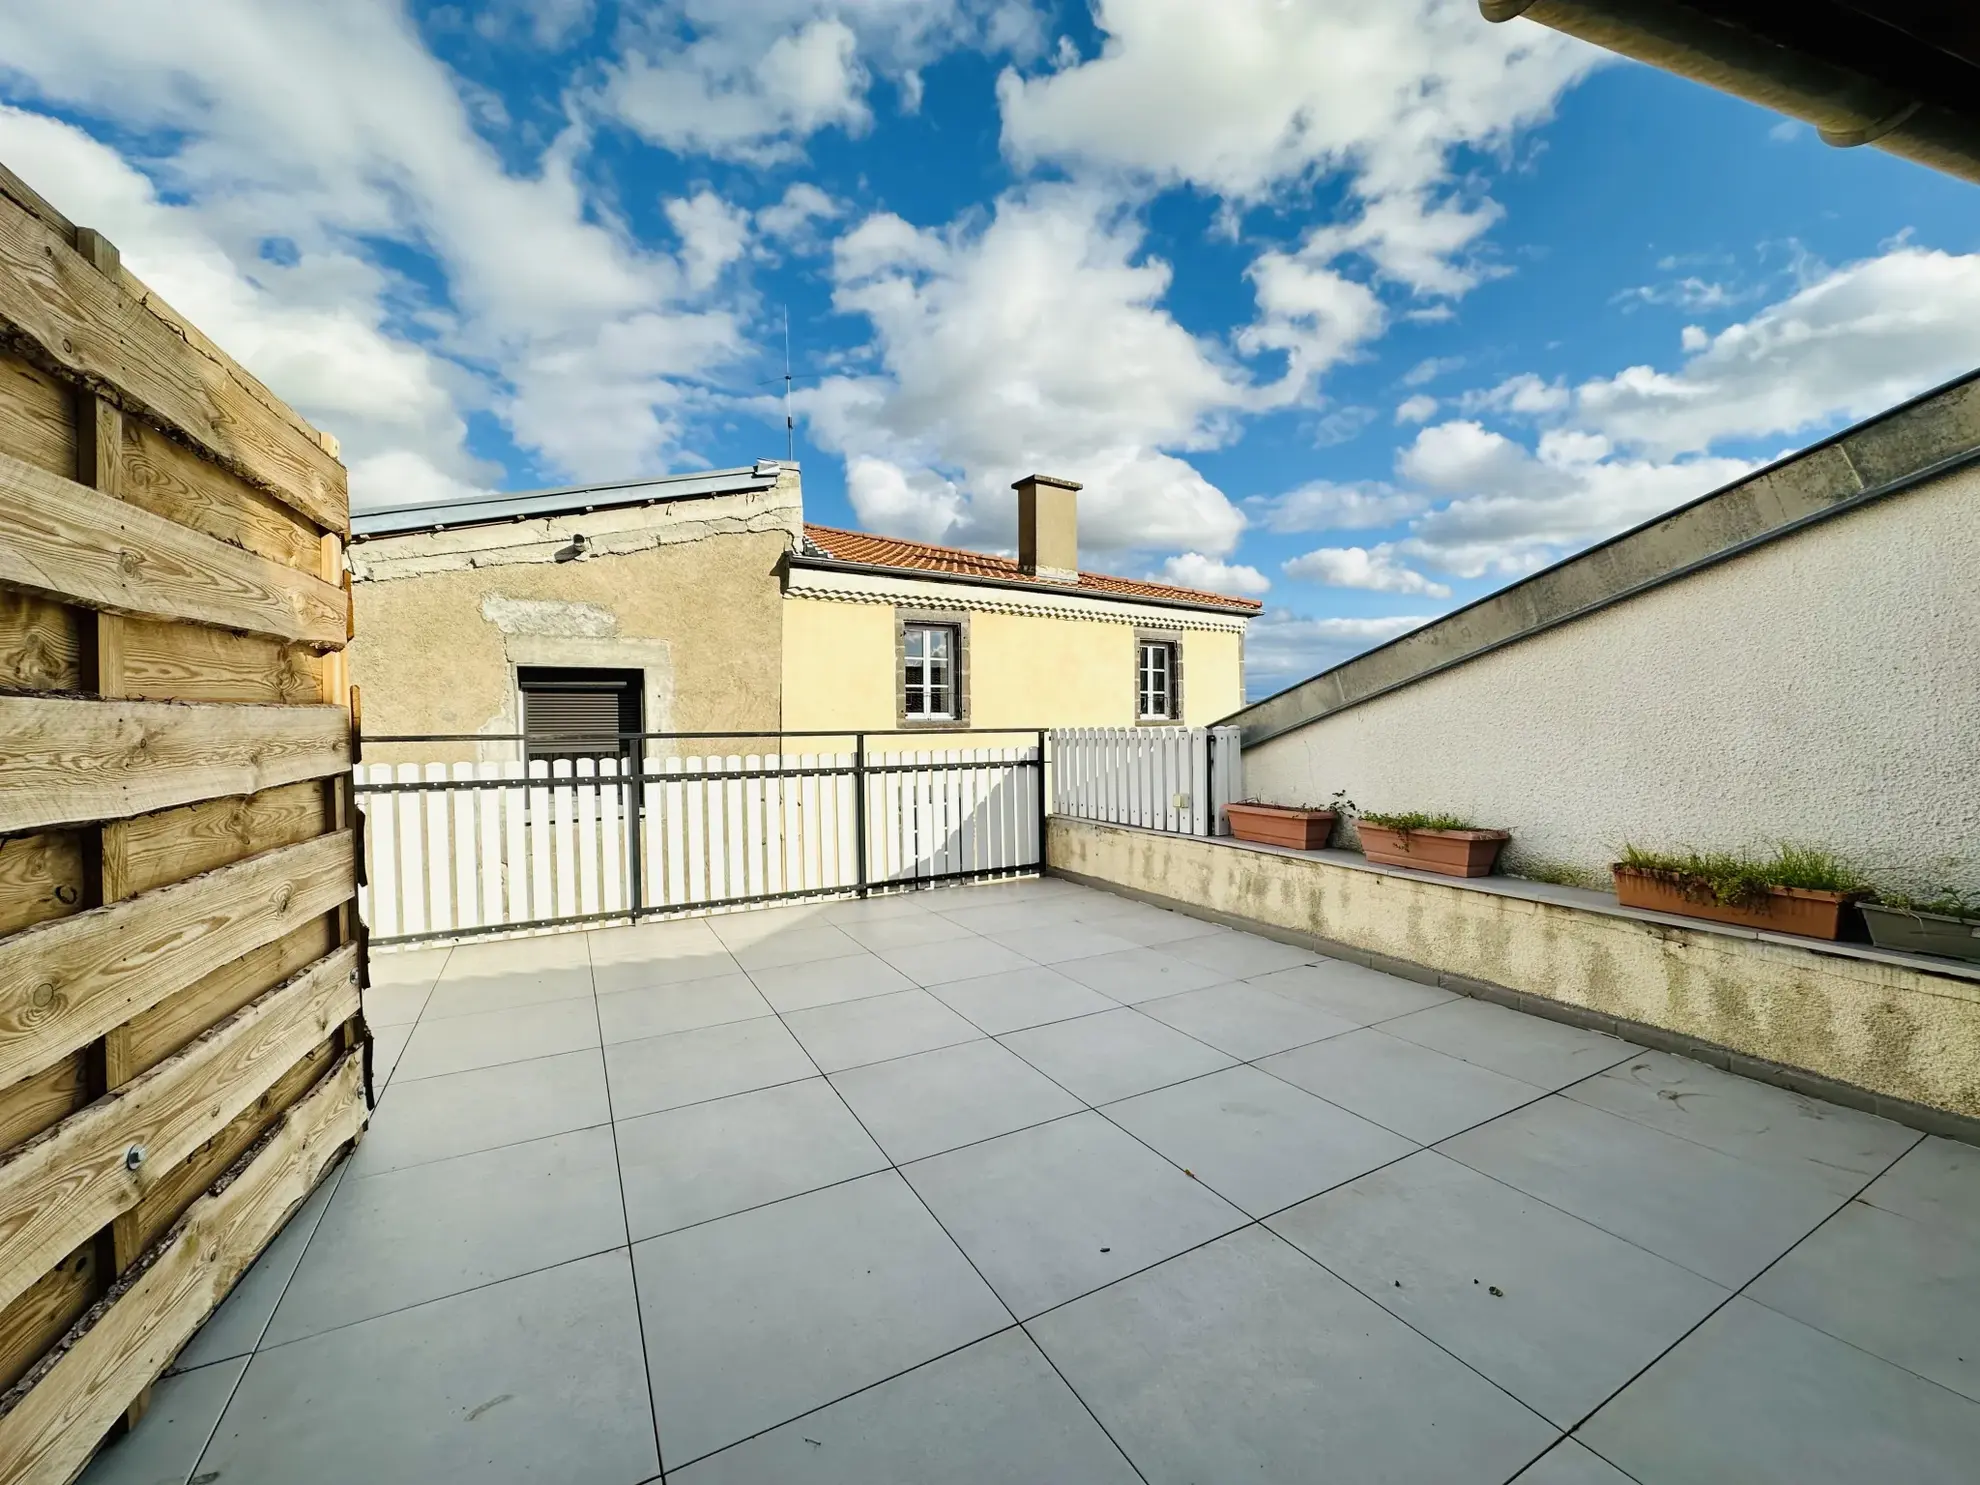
(703, 603)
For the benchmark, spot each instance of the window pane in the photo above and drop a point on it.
(928, 677)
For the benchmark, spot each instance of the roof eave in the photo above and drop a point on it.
(1230, 608)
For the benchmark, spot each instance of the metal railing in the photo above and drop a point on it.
(670, 825)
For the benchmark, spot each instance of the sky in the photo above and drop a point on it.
(1362, 310)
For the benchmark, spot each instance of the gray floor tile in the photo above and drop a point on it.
(643, 972)
(404, 1237)
(467, 995)
(1114, 1055)
(235, 1328)
(656, 938)
(923, 1105)
(796, 946)
(1239, 956)
(912, 904)
(1051, 1212)
(708, 1160)
(1724, 1218)
(388, 1044)
(1937, 1182)
(1399, 1085)
(1017, 998)
(493, 1037)
(538, 1378)
(665, 1072)
(861, 1031)
(1133, 975)
(164, 1449)
(1257, 1142)
(994, 1413)
(799, 987)
(757, 925)
(1546, 1054)
(1738, 1116)
(937, 964)
(395, 1004)
(1054, 943)
(1150, 927)
(906, 930)
(762, 1316)
(1014, 913)
(1246, 1361)
(1568, 1463)
(1244, 1021)
(505, 956)
(627, 1015)
(1558, 1313)
(1351, 992)
(408, 966)
(1755, 1397)
(1900, 1288)
(436, 1118)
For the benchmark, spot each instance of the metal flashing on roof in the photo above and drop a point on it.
(1028, 585)
(490, 509)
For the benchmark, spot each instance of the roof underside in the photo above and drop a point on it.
(1903, 75)
(866, 550)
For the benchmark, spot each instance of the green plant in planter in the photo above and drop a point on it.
(1950, 902)
(1417, 820)
(1738, 880)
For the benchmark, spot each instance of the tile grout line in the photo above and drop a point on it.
(625, 1217)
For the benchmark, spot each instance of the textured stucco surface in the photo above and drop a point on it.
(1895, 1031)
(1026, 670)
(1824, 688)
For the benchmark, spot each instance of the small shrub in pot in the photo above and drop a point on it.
(1445, 844)
(1798, 889)
(1947, 924)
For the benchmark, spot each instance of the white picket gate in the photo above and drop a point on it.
(1163, 778)
(478, 847)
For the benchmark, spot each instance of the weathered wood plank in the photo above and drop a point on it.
(72, 760)
(56, 1415)
(65, 983)
(37, 417)
(67, 1183)
(151, 1036)
(41, 643)
(181, 1186)
(43, 1101)
(37, 1319)
(160, 849)
(66, 541)
(188, 662)
(172, 481)
(59, 311)
(41, 877)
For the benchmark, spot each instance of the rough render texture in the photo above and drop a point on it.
(1894, 1031)
(1824, 688)
(686, 592)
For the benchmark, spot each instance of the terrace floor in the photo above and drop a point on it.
(1028, 1183)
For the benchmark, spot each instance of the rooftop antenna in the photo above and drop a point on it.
(790, 428)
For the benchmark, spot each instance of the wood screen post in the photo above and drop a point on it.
(338, 799)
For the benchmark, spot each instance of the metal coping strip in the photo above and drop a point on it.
(626, 780)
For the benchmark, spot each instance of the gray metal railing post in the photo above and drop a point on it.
(859, 809)
(1044, 808)
(1209, 779)
(635, 817)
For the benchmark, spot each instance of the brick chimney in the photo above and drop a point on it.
(1048, 528)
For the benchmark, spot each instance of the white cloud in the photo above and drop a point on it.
(1430, 368)
(795, 217)
(1034, 343)
(1849, 344)
(327, 131)
(1246, 97)
(1418, 409)
(1312, 314)
(1194, 570)
(1325, 506)
(713, 235)
(1374, 568)
(918, 504)
(1282, 648)
(1524, 395)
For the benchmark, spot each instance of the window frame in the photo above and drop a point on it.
(1170, 642)
(956, 624)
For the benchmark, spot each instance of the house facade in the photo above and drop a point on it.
(704, 603)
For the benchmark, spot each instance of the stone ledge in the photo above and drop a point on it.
(1890, 1034)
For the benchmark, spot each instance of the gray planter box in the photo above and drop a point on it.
(1922, 933)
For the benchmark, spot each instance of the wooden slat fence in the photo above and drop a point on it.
(461, 848)
(182, 1043)
(1162, 778)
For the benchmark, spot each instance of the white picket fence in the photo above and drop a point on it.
(480, 846)
(1164, 778)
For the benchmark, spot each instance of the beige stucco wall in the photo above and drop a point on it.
(688, 594)
(1025, 670)
(1823, 688)
(1893, 1030)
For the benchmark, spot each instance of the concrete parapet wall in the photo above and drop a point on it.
(1907, 1037)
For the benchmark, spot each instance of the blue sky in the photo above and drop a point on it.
(1365, 310)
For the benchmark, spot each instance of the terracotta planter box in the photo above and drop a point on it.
(1782, 910)
(1922, 933)
(1277, 825)
(1454, 853)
